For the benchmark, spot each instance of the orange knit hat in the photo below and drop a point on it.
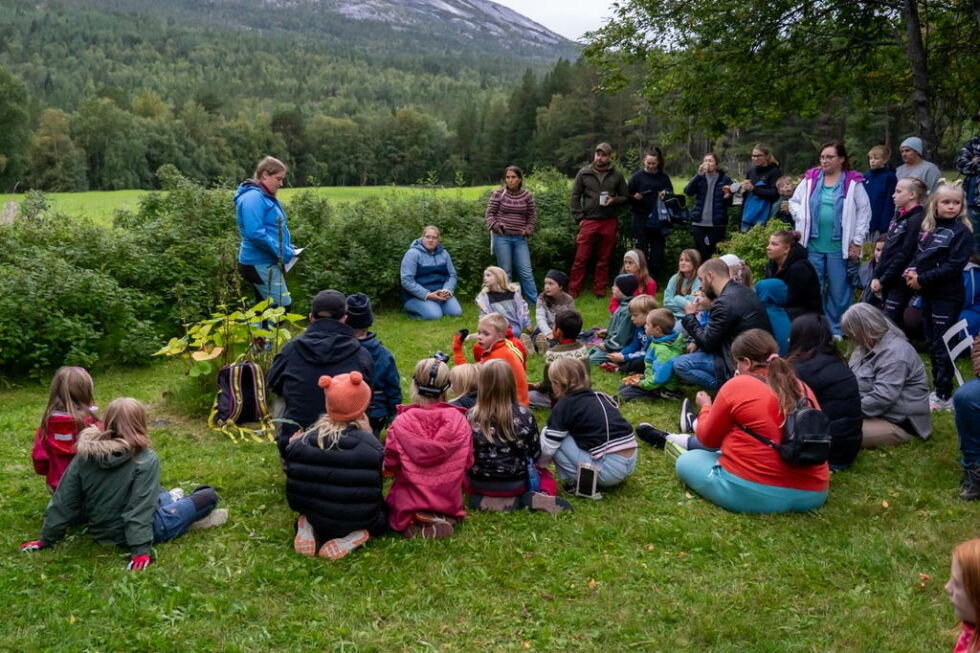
(347, 396)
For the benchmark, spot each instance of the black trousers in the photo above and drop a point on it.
(706, 240)
(938, 314)
(651, 241)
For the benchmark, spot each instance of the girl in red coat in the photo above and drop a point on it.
(69, 410)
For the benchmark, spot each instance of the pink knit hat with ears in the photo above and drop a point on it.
(347, 396)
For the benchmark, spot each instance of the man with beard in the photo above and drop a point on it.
(598, 193)
(734, 309)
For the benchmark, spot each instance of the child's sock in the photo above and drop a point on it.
(338, 547)
(305, 542)
(498, 504)
(546, 502)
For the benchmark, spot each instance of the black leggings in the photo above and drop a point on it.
(938, 315)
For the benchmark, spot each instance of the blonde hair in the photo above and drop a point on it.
(328, 431)
(496, 320)
(500, 279)
(71, 392)
(642, 304)
(929, 222)
(881, 152)
(768, 152)
(568, 375)
(463, 378)
(916, 186)
(125, 420)
(433, 228)
(966, 555)
(424, 377)
(663, 319)
(269, 165)
(496, 396)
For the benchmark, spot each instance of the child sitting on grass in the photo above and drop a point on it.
(586, 426)
(658, 371)
(492, 342)
(505, 441)
(69, 410)
(620, 329)
(500, 296)
(462, 382)
(333, 474)
(568, 325)
(113, 484)
(386, 386)
(551, 300)
(428, 450)
(629, 359)
(635, 263)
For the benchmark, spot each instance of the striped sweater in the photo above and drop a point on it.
(511, 213)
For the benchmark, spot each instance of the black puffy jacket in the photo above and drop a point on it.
(836, 388)
(801, 281)
(338, 489)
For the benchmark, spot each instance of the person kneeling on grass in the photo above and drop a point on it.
(658, 372)
(747, 475)
(428, 450)
(333, 473)
(585, 426)
(113, 484)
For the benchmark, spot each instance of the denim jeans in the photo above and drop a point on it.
(613, 468)
(966, 409)
(428, 309)
(269, 283)
(697, 368)
(837, 293)
(701, 471)
(511, 251)
(173, 518)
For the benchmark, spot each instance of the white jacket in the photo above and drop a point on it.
(857, 209)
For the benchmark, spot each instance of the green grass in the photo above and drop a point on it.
(102, 205)
(650, 567)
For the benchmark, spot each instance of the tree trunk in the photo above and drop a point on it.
(916, 51)
(976, 11)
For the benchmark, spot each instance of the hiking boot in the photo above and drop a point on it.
(687, 416)
(970, 485)
(651, 435)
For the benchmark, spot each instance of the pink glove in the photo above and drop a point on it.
(30, 547)
(140, 562)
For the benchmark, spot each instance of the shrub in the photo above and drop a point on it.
(751, 245)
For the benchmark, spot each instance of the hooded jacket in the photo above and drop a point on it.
(801, 281)
(855, 213)
(423, 271)
(836, 388)
(262, 225)
(386, 388)
(327, 347)
(116, 491)
(658, 363)
(338, 489)
(55, 444)
(428, 450)
(880, 185)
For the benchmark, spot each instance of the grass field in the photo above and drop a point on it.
(102, 205)
(650, 567)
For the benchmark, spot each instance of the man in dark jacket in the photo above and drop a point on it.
(734, 309)
(598, 194)
(327, 347)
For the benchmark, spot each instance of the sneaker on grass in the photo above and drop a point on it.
(216, 517)
(938, 404)
(651, 435)
(687, 416)
(305, 542)
(338, 547)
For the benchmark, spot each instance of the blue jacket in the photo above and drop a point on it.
(637, 346)
(386, 386)
(880, 184)
(698, 187)
(423, 271)
(971, 304)
(262, 225)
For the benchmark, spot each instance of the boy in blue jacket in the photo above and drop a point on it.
(879, 182)
(630, 358)
(620, 330)
(386, 386)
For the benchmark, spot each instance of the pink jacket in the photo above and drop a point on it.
(428, 449)
(54, 446)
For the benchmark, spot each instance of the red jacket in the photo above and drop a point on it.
(55, 444)
(428, 449)
(746, 400)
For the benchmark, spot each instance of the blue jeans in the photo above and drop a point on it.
(966, 409)
(701, 472)
(837, 293)
(273, 285)
(428, 309)
(173, 518)
(512, 251)
(613, 468)
(697, 368)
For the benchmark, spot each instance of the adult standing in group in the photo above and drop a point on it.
(266, 248)
(646, 189)
(759, 187)
(511, 218)
(598, 194)
(913, 165)
(832, 212)
(891, 379)
(734, 309)
(429, 278)
(711, 189)
(968, 165)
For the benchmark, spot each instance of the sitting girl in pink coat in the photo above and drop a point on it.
(69, 410)
(428, 450)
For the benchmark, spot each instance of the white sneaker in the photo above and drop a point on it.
(935, 403)
(217, 517)
(176, 494)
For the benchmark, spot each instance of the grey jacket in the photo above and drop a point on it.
(893, 384)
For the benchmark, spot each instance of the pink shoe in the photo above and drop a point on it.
(305, 542)
(338, 547)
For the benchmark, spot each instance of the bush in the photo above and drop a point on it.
(751, 245)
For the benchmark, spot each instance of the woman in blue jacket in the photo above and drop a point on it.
(266, 248)
(711, 188)
(429, 278)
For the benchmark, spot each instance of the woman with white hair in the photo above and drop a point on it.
(891, 379)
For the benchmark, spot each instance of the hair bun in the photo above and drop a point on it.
(356, 377)
(324, 381)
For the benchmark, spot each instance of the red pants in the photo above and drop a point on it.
(597, 236)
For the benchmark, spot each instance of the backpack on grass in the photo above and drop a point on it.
(806, 434)
(241, 399)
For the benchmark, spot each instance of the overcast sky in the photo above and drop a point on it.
(570, 18)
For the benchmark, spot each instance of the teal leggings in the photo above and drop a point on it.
(700, 471)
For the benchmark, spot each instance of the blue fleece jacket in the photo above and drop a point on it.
(262, 225)
(423, 271)
(386, 386)
(880, 185)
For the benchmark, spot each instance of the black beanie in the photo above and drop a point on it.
(626, 283)
(558, 277)
(359, 314)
